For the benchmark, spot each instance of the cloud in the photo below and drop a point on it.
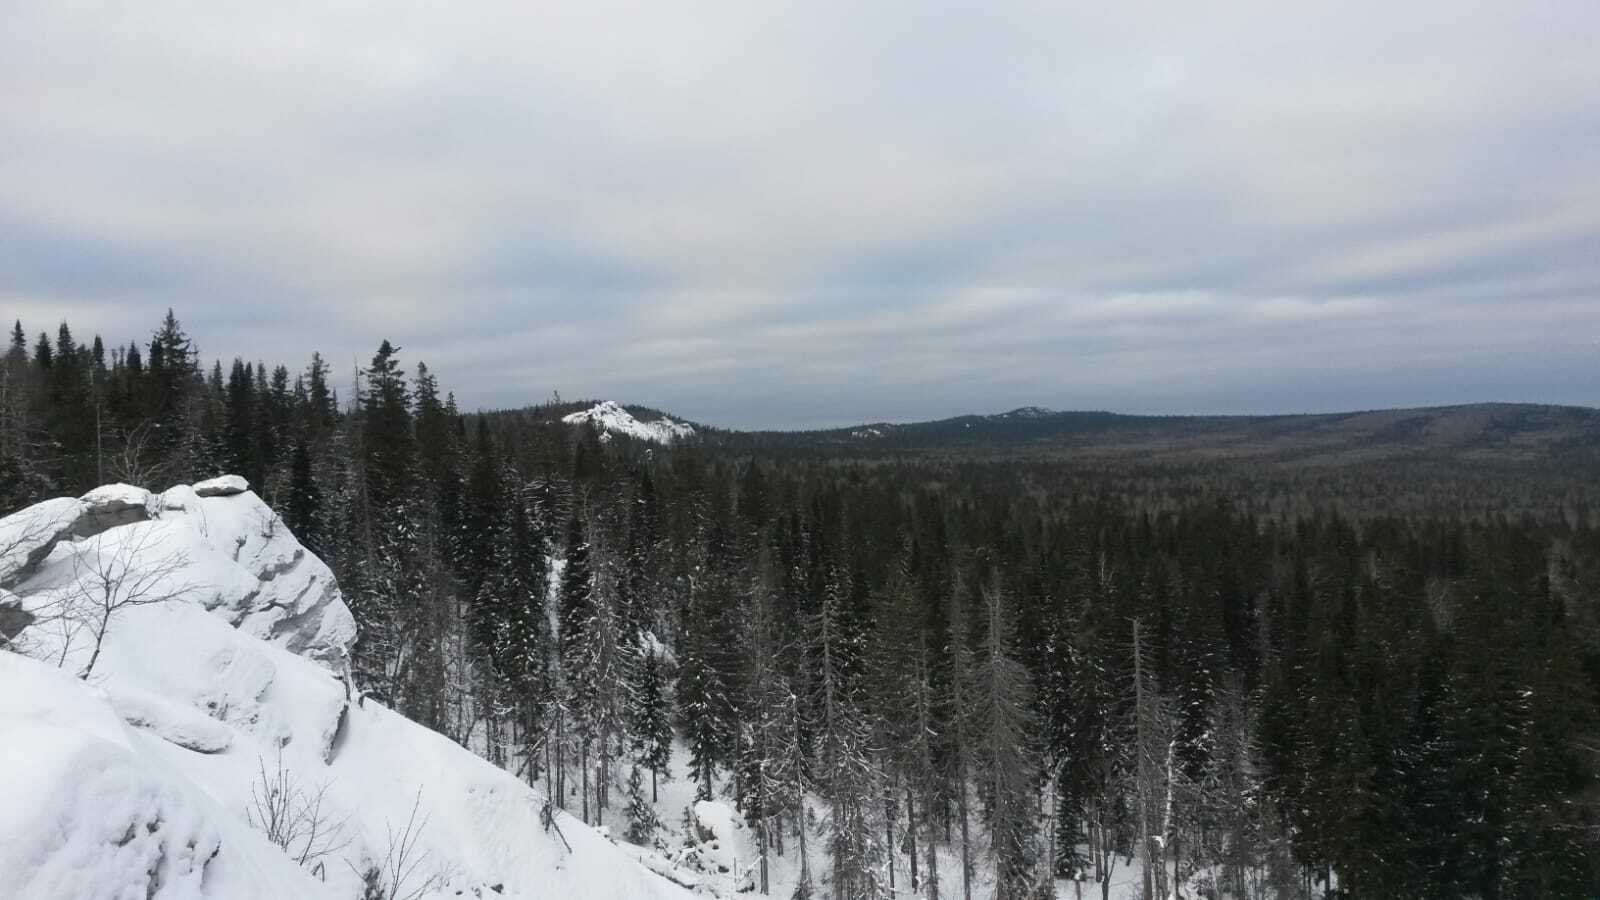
(788, 214)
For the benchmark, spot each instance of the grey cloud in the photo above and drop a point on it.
(801, 214)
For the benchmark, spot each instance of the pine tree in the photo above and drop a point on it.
(643, 823)
(482, 515)
(702, 694)
(303, 512)
(241, 431)
(652, 727)
(387, 445)
(602, 678)
(768, 762)
(24, 476)
(844, 771)
(1006, 770)
(174, 400)
(321, 410)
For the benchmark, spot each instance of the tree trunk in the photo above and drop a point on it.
(911, 836)
(888, 819)
(761, 835)
(966, 840)
(561, 763)
(602, 788)
(800, 805)
(1142, 793)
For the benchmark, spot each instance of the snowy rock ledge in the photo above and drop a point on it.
(144, 777)
(227, 550)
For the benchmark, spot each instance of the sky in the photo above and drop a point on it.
(764, 214)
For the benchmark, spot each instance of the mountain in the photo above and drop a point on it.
(179, 722)
(611, 418)
(1488, 432)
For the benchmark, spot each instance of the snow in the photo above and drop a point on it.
(222, 486)
(231, 554)
(174, 722)
(88, 814)
(139, 780)
(611, 418)
(1026, 412)
(27, 535)
(114, 497)
(727, 845)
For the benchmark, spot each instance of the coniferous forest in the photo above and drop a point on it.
(1007, 665)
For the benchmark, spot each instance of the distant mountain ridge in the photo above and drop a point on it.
(1491, 433)
(1483, 431)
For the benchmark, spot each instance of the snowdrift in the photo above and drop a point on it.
(188, 747)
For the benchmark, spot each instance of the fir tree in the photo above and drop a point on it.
(652, 727)
(643, 823)
(1004, 728)
(303, 512)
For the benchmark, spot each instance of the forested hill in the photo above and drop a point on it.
(1486, 432)
(1213, 674)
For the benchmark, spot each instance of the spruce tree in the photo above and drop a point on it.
(1006, 771)
(652, 728)
(844, 769)
(303, 511)
(643, 823)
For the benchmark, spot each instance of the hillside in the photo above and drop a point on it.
(1489, 432)
(179, 723)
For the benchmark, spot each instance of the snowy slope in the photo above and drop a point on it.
(611, 418)
(141, 780)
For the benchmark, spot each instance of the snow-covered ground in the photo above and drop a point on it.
(611, 418)
(219, 686)
(709, 846)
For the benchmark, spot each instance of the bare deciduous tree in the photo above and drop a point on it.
(406, 871)
(294, 817)
(134, 461)
(111, 572)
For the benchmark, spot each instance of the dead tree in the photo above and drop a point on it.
(111, 572)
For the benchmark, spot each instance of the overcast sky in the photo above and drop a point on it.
(762, 214)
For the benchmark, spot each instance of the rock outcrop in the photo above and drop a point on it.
(229, 551)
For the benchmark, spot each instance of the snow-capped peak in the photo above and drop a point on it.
(1027, 412)
(611, 418)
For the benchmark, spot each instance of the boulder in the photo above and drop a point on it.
(222, 486)
(110, 506)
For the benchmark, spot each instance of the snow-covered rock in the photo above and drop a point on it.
(141, 780)
(112, 505)
(93, 809)
(227, 551)
(222, 486)
(611, 418)
(727, 845)
(177, 723)
(26, 537)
